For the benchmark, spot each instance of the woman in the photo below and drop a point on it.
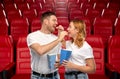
(81, 61)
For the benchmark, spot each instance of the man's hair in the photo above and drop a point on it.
(46, 15)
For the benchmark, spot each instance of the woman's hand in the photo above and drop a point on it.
(68, 64)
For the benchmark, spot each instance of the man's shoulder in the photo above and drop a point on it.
(34, 33)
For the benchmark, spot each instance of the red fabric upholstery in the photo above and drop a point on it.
(100, 6)
(22, 6)
(104, 28)
(64, 21)
(9, 6)
(18, 27)
(114, 53)
(110, 13)
(61, 13)
(23, 69)
(6, 54)
(117, 27)
(98, 51)
(29, 14)
(61, 71)
(92, 14)
(35, 6)
(35, 24)
(6, 51)
(3, 27)
(76, 14)
(13, 14)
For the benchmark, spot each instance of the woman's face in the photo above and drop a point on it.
(71, 30)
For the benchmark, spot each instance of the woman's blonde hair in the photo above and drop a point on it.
(81, 27)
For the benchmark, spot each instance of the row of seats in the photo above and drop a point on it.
(23, 69)
(102, 26)
(61, 12)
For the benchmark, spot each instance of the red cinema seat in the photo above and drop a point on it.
(112, 5)
(61, 71)
(61, 13)
(13, 14)
(72, 5)
(113, 63)
(76, 14)
(35, 24)
(85, 6)
(23, 69)
(117, 27)
(29, 14)
(100, 6)
(4, 27)
(2, 14)
(96, 43)
(9, 7)
(18, 27)
(104, 28)
(22, 6)
(7, 64)
(36, 6)
(110, 14)
(64, 21)
(92, 14)
(19, 1)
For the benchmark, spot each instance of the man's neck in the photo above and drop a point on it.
(43, 30)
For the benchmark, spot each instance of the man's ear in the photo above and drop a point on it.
(45, 21)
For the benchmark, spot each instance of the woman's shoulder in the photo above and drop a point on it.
(86, 44)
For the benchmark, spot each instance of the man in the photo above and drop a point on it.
(43, 42)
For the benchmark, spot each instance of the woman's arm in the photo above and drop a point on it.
(89, 68)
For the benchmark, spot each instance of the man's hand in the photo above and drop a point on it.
(57, 64)
(60, 28)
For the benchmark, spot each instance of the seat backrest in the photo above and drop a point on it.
(92, 14)
(35, 24)
(114, 51)
(110, 13)
(100, 6)
(96, 43)
(22, 6)
(103, 27)
(29, 14)
(61, 13)
(23, 56)
(64, 21)
(76, 14)
(117, 27)
(3, 27)
(6, 51)
(12, 14)
(18, 27)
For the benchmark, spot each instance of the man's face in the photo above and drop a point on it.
(52, 23)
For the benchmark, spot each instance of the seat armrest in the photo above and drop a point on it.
(9, 71)
(111, 71)
(110, 67)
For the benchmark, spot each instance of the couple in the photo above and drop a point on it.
(43, 42)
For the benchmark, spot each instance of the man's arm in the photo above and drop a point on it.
(42, 49)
